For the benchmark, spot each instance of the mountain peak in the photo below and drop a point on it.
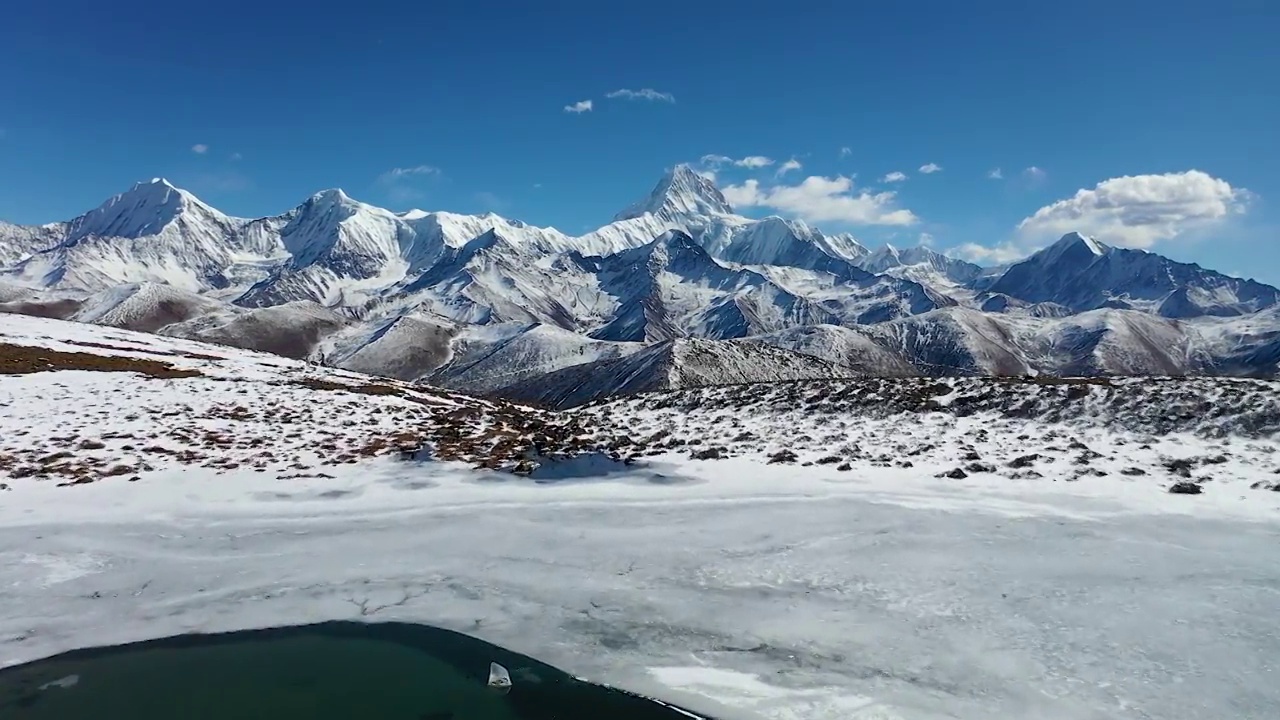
(142, 210)
(672, 246)
(1076, 240)
(153, 188)
(333, 196)
(888, 253)
(681, 192)
(677, 239)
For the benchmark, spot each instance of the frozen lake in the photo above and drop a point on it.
(334, 670)
(789, 596)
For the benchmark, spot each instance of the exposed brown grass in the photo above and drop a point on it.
(149, 351)
(362, 389)
(21, 360)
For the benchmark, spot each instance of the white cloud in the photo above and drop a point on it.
(407, 172)
(401, 185)
(199, 148)
(846, 152)
(1139, 210)
(579, 107)
(1130, 211)
(895, 176)
(788, 166)
(995, 174)
(998, 254)
(236, 156)
(820, 199)
(925, 239)
(642, 94)
(930, 168)
(753, 162)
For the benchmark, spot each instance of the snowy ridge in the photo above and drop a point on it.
(921, 263)
(145, 210)
(672, 364)
(680, 193)
(486, 362)
(1082, 274)
(152, 233)
(964, 341)
(847, 347)
(404, 348)
(398, 293)
(18, 242)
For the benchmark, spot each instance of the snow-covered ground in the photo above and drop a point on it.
(735, 587)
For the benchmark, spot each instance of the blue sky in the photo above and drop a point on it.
(255, 106)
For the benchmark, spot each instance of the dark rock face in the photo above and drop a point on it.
(1185, 488)
(782, 456)
(711, 453)
(1024, 461)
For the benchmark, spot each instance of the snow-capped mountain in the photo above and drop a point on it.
(1082, 274)
(687, 201)
(680, 194)
(17, 242)
(922, 265)
(487, 302)
(673, 288)
(672, 364)
(152, 233)
(488, 358)
(964, 341)
(852, 348)
(334, 245)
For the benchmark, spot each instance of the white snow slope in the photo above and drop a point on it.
(745, 590)
(680, 263)
(669, 365)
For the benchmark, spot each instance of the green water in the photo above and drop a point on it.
(313, 672)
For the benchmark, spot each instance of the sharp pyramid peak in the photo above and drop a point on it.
(142, 210)
(1077, 244)
(155, 193)
(682, 192)
(156, 188)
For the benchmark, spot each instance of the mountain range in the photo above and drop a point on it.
(489, 304)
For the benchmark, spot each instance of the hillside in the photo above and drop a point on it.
(86, 404)
(673, 364)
